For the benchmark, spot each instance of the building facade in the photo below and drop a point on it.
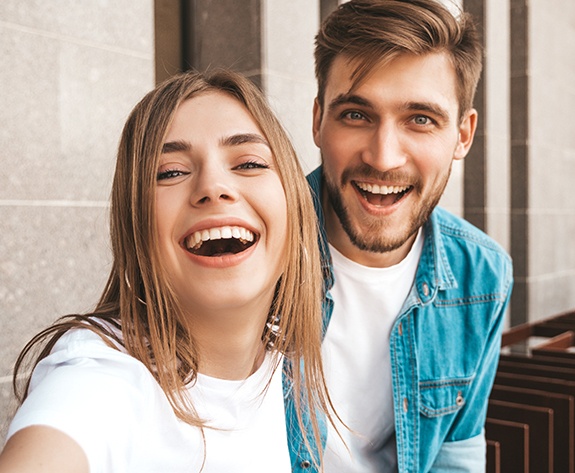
(73, 70)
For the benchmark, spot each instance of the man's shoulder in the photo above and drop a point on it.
(468, 251)
(314, 179)
(471, 265)
(456, 230)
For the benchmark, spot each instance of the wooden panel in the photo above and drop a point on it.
(513, 438)
(543, 358)
(535, 386)
(540, 422)
(559, 386)
(522, 333)
(493, 457)
(532, 369)
(563, 407)
(562, 346)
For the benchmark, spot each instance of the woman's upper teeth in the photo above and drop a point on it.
(384, 190)
(196, 239)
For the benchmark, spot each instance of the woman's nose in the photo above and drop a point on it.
(213, 185)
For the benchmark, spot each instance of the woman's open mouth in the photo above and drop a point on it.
(220, 241)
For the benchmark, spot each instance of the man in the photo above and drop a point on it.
(415, 296)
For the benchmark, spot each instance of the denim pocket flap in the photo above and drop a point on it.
(443, 397)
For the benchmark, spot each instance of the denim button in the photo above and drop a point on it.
(305, 464)
(425, 288)
(459, 399)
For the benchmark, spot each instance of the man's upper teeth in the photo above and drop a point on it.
(384, 190)
(196, 239)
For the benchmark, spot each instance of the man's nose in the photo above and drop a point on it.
(384, 151)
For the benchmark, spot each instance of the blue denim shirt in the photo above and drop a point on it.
(444, 347)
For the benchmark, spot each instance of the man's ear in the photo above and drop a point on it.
(316, 124)
(466, 133)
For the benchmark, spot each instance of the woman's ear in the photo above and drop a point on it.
(467, 129)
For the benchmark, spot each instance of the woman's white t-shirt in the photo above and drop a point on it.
(111, 405)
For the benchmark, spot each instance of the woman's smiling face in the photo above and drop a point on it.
(220, 207)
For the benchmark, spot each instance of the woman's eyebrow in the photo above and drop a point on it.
(241, 138)
(176, 146)
(232, 140)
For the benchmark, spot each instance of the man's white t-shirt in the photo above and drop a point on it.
(112, 406)
(357, 361)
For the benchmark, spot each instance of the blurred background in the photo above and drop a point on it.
(72, 70)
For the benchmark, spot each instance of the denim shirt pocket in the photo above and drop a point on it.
(443, 396)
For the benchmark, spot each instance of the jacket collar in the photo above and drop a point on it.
(315, 182)
(434, 270)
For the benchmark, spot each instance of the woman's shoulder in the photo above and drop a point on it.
(90, 338)
(82, 353)
(100, 396)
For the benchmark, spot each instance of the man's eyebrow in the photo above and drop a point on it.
(429, 107)
(176, 146)
(348, 99)
(241, 138)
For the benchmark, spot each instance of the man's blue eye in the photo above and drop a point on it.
(354, 115)
(422, 120)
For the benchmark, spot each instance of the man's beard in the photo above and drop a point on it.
(374, 236)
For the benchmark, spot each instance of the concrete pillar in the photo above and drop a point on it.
(71, 72)
(547, 219)
(520, 82)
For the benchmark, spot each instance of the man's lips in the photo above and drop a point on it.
(381, 195)
(218, 241)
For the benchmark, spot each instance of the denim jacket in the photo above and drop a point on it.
(444, 347)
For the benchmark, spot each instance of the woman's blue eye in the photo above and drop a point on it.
(253, 165)
(170, 173)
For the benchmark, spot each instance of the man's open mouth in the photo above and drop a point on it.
(382, 195)
(220, 241)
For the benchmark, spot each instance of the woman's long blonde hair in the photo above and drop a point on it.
(137, 298)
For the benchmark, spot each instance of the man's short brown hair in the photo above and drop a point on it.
(374, 31)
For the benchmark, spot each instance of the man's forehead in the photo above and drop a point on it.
(428, 78)
(343, 69)
(351, 69)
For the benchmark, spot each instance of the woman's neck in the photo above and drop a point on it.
(229, 345)
(233, 359)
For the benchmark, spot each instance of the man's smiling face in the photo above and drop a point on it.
(387, 147)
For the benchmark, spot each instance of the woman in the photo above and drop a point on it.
(215, 283)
